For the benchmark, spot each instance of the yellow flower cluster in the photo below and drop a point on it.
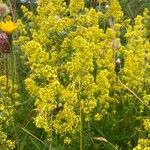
(60, 56)
(76, 6)
(72, 61)
(144, 144)
(35, 53)
(92, 17)
(27, 14)
(8, 102)
(114, 10)
(5, 143)
(135, 69)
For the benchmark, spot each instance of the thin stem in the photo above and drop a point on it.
(51, 134)
(132, 92)
(113, 146)
(12, 6)
(81, 129)
(33, 136)
(81, 123)
(7, 74)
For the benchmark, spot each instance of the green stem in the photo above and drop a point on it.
(81, 130)
(7, 75)
(81, 123)
(113, 146)
(51, 133)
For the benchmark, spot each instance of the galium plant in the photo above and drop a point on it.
(82, 72)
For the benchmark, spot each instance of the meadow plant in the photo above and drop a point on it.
(82, 74)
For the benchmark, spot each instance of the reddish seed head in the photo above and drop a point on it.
(4, 43)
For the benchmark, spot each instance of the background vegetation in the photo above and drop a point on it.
(77, 76)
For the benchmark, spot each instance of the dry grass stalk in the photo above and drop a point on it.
(102, 139)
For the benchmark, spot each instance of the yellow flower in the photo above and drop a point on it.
(8, 26)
